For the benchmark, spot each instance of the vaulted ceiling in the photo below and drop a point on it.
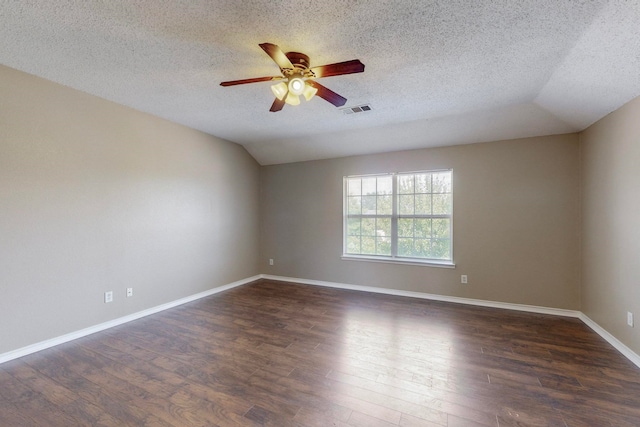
(438, 72)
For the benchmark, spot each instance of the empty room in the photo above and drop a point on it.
(320, 213)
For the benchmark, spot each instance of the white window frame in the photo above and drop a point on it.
(394, 258)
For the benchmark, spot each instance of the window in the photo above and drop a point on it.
(403, 217)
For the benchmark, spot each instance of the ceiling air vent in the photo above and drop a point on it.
(356, 109)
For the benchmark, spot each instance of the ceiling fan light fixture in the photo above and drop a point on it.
(280, 90)
(292, 99)
(296, 78)
(309, 91)
(296, 86)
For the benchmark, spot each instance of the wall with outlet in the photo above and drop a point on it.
(610, 157)
(516, 209)
(97, 197)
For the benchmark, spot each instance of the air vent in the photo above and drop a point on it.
(357, 109)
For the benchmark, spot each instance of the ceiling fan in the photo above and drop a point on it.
(298, 79)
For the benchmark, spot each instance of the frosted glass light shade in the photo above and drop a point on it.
(309, 92)
(280, 90)
(292, 99)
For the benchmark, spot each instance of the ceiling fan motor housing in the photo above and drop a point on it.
(300, 63)
(299, 60)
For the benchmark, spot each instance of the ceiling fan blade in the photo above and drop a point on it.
(277, 105)
(339, 68)
(277, 55)
(328, 94)
(254, 80)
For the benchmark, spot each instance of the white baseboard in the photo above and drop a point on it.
(33, 348)
(628, 353)
(617, 344)
(435, 297)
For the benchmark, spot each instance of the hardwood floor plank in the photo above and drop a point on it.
(210, 385)
(11, 415)
(411, 421)
(455, 421)
(280, 354)
(32, 402)
(359, 419)
(12, 390)
(55, 364)
(337, 392)
(66, 400)
(309, 417)
(310, 395)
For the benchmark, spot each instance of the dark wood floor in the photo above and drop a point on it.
(276, 354)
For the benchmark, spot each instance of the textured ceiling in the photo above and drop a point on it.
(438, 72)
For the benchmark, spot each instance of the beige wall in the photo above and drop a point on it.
(610, 151)
(95, 197)
(516, 221)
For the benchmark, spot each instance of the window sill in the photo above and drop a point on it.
(406, 261)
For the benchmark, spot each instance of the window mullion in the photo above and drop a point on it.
(394, 216)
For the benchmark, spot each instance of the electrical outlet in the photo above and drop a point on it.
(463, 279)
(630, 318)
(129, 292)
(108, 296)
(270, 261)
